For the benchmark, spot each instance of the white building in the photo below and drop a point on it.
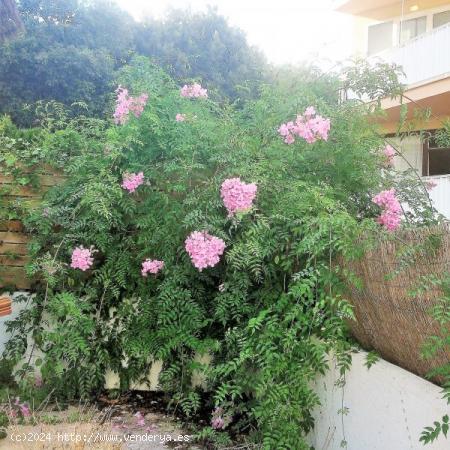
(416, 35)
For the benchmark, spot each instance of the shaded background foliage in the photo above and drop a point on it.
(10, 21)
(69, 51)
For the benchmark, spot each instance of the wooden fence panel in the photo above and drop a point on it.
(13, 236)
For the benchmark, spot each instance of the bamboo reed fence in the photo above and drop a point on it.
(388, 318)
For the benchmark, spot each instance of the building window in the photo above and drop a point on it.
(409, 29)
(436, 160)
(379, 37)
(441, 18)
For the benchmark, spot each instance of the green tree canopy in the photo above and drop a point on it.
(72, 49)
(10, 22)
(202, 45)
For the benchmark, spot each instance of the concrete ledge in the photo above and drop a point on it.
(388, 408)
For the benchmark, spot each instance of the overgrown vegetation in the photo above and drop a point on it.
(273, 307)
(440, 312)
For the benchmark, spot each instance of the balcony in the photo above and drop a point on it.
(423, 58)
(440, 194)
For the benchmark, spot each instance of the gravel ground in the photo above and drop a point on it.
(113, 429)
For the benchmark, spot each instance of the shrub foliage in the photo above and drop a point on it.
(273, 307)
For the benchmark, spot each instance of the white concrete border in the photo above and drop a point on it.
(388, 408)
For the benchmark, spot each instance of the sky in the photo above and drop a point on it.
(287, 31)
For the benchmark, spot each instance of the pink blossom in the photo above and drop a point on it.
(219, 419)
(389, 153)
(289, 139)
(138, 104)
(140, 419)
(284, 129)
(131, 181)
(430, 185)
(82, 258)
(193, 91)
(309, 126)
(389, 220)
(22, 407)
(205, 250)
(180, 117)
(25, 410)
(310, 111)
(390, 217)
(218, 423)
(126, 104)
(151, 266)
(237, 196)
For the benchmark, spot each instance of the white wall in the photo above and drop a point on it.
(411, 149)
(16, 308)
(440, 194)
(388, 408)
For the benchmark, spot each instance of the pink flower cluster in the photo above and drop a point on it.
(126, 104)
(131, 181)
(180, 117)
(389, 152)
(205, 250)
(220, 420)
(237, 196)
(17, 407)
(193, 91)
(391, 215)
(140, 419)
(151, 266)
(82, 258)
(309, 126)
(218, 423)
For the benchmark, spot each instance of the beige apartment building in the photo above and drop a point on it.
(416, 35)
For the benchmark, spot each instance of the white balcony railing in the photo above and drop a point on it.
(423, 58)
(440, 194)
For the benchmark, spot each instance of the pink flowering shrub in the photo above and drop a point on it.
(131, 181)
(180, 117)
(205, 250)
(125, 104)
(237, 196)
(309, 126)
(82, 258)
(151, 266)
(193, 91)
(251, 306)
(390, 217)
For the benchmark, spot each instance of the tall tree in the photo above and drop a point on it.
(10, 21)
(202, 45)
